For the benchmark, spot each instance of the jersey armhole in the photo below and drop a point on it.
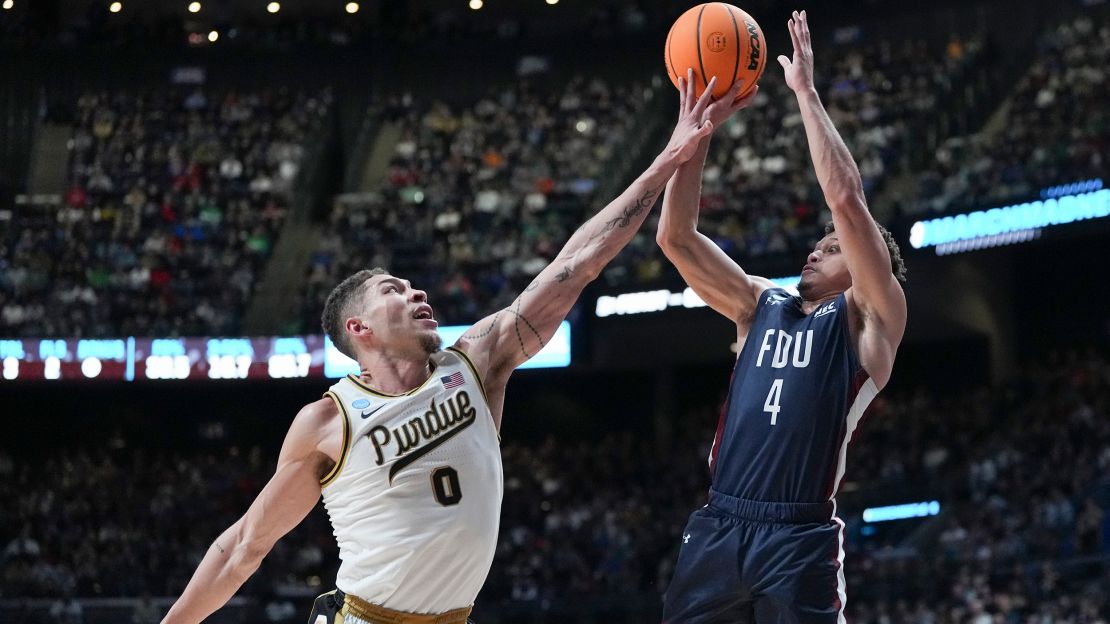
(846, 327)
(473, 369)
(333, 474)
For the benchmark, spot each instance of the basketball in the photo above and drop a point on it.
(716, 39)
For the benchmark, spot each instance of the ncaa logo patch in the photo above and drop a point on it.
(360, 403)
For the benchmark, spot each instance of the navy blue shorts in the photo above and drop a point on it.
(747, 561)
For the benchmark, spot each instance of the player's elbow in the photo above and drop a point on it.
(670, 240)
(247, 555)
(847, 199)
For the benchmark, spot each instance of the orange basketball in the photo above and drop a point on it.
(716, 39)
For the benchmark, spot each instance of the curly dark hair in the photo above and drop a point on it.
(336, 308)
(897, 264)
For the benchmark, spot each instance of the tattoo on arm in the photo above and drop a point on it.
(219, 548)
(516, 325)
(630, 212)
(487, 331)
(565, 274)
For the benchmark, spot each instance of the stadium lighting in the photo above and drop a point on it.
(476, 4)
(213, 36)
(553, 2)
(352, 7)
(194, 7)
(273, 7)
(659, 300)
(115, 7)
(8, 4)
(1017, 223)
(901, 512)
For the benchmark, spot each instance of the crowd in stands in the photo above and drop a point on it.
(1056, 129)
(1022, 470)
(176, 197)
(174, 203)
(1028, 463)
(759, 193)
(479, 198)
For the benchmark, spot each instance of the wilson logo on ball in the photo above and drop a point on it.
(716, 42)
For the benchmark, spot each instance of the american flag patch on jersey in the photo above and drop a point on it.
(453, 380)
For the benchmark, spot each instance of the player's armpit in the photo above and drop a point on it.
(511, 336)
(506, 339)
(875, 290)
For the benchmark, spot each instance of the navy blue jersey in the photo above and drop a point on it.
(798, 392)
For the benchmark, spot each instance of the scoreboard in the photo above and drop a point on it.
(131, 358)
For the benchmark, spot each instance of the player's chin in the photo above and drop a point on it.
(806, 283)
(430, 340)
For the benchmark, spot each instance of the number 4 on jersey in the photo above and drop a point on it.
(772, 403)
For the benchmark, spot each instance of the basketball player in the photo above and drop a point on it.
(406, 454)
(768, 547)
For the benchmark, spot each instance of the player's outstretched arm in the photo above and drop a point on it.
(714, 276)
(508, 338)
(287, 498)
(875, 289)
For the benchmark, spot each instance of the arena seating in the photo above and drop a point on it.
(1056, 129)
(1024, 531)
(175, 202)
(479, 197)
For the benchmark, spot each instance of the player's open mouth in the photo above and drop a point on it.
(424, 313)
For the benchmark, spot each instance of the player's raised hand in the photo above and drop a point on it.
(799, 70)
(722, 108)
(691, 127)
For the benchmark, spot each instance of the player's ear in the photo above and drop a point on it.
(357, 327)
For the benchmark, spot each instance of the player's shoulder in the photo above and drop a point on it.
(316, 416)
(476, 356)
(323, 408)
(760, 285)
(318, 426)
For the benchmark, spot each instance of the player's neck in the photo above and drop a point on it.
(809, 305)
(394, 373)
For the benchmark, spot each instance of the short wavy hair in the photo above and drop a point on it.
(897, 264)
(338, 307)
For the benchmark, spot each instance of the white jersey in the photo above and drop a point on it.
(415, 499)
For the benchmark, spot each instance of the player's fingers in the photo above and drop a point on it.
(793, 28)
(703, 101)
(747, 99)
(733, 94)
(737, 87)
(785, 62)
(805, 29)
(705, 130)
(681, 97)
(690, 99)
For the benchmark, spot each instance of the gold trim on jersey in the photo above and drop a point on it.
(379, 393)
(473, 369)
(333, 474)
(370, 612)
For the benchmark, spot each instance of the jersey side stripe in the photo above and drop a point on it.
(863, 398)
